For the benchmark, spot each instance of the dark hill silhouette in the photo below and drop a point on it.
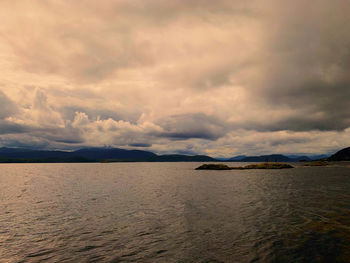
(94, 155)
(183, 158)
(342, 155)
(114, 153)
(237, 158)
(267, 158)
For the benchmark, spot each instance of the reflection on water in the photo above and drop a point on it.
(168, 212)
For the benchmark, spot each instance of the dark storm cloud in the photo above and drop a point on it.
(324, 106)
(277, 142)
(189, 126)
(141, 145)
(24, 142)
(68, 135)
(7, 127)
(307, 65)
(70, 141)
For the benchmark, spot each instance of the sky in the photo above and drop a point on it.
(220, 78)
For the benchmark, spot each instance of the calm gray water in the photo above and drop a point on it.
(168, 212)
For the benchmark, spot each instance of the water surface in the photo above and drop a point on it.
(168, 212)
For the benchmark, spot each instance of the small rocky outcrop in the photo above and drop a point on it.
(268, 166)
(251, 166)
(213, 167)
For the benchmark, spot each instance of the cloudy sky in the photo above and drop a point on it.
(221, 78)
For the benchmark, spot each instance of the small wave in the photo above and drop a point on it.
(87, 248)
(40, 253)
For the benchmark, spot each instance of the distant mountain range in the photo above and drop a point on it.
(94, 155)
(8, 155)
(238, 158)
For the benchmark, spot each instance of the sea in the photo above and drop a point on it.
(170, 212)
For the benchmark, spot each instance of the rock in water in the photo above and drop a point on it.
(251, 166)
(213, 167)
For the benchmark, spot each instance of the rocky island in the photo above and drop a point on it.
(251, 166)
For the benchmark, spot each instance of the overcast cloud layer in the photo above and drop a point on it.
(221, 78)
